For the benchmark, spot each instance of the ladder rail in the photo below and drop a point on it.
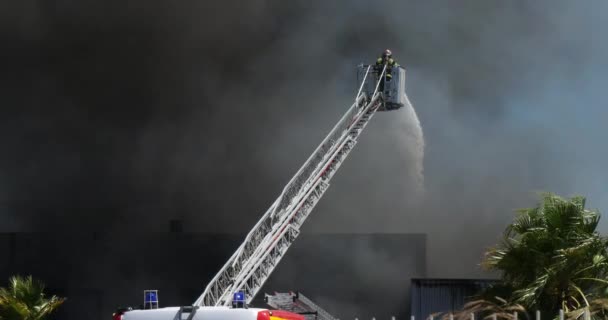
(362, 83)
(250, 256)
(321, 180)
(281, 204)
(254, 239)
(287, 219)
(293, 182)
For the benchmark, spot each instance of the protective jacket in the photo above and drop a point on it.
(389, 67)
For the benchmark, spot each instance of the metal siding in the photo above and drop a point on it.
(442, 295)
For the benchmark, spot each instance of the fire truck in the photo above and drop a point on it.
(229, 293)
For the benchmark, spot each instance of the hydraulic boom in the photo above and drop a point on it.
(266, 244)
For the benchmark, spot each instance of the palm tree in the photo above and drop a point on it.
(551, 257)
(24, 299)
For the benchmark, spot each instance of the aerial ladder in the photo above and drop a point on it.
(297, 303)
(266, 244)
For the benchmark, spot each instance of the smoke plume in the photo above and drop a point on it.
(119, 115)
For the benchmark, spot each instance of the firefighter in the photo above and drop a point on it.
(386, 58)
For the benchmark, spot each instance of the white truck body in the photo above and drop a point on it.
(207, 313)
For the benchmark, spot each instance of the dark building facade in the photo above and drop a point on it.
(347, 274)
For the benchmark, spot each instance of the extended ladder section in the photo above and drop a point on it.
(266, 244)
(297, 303)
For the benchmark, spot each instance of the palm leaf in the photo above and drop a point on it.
(551, 256)
(24, 299)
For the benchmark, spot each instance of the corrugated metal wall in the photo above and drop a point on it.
(442, 295)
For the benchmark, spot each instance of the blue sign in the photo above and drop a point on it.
(239, 297)
(151, 297)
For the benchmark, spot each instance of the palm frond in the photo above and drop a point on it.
(485, 309)
(25, 299)
(550, 257)
(529, 294)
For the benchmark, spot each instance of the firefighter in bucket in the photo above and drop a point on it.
(385, 59)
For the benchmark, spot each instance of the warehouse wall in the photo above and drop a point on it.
(443, 295)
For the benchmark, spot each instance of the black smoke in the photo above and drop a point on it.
(119, 115)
